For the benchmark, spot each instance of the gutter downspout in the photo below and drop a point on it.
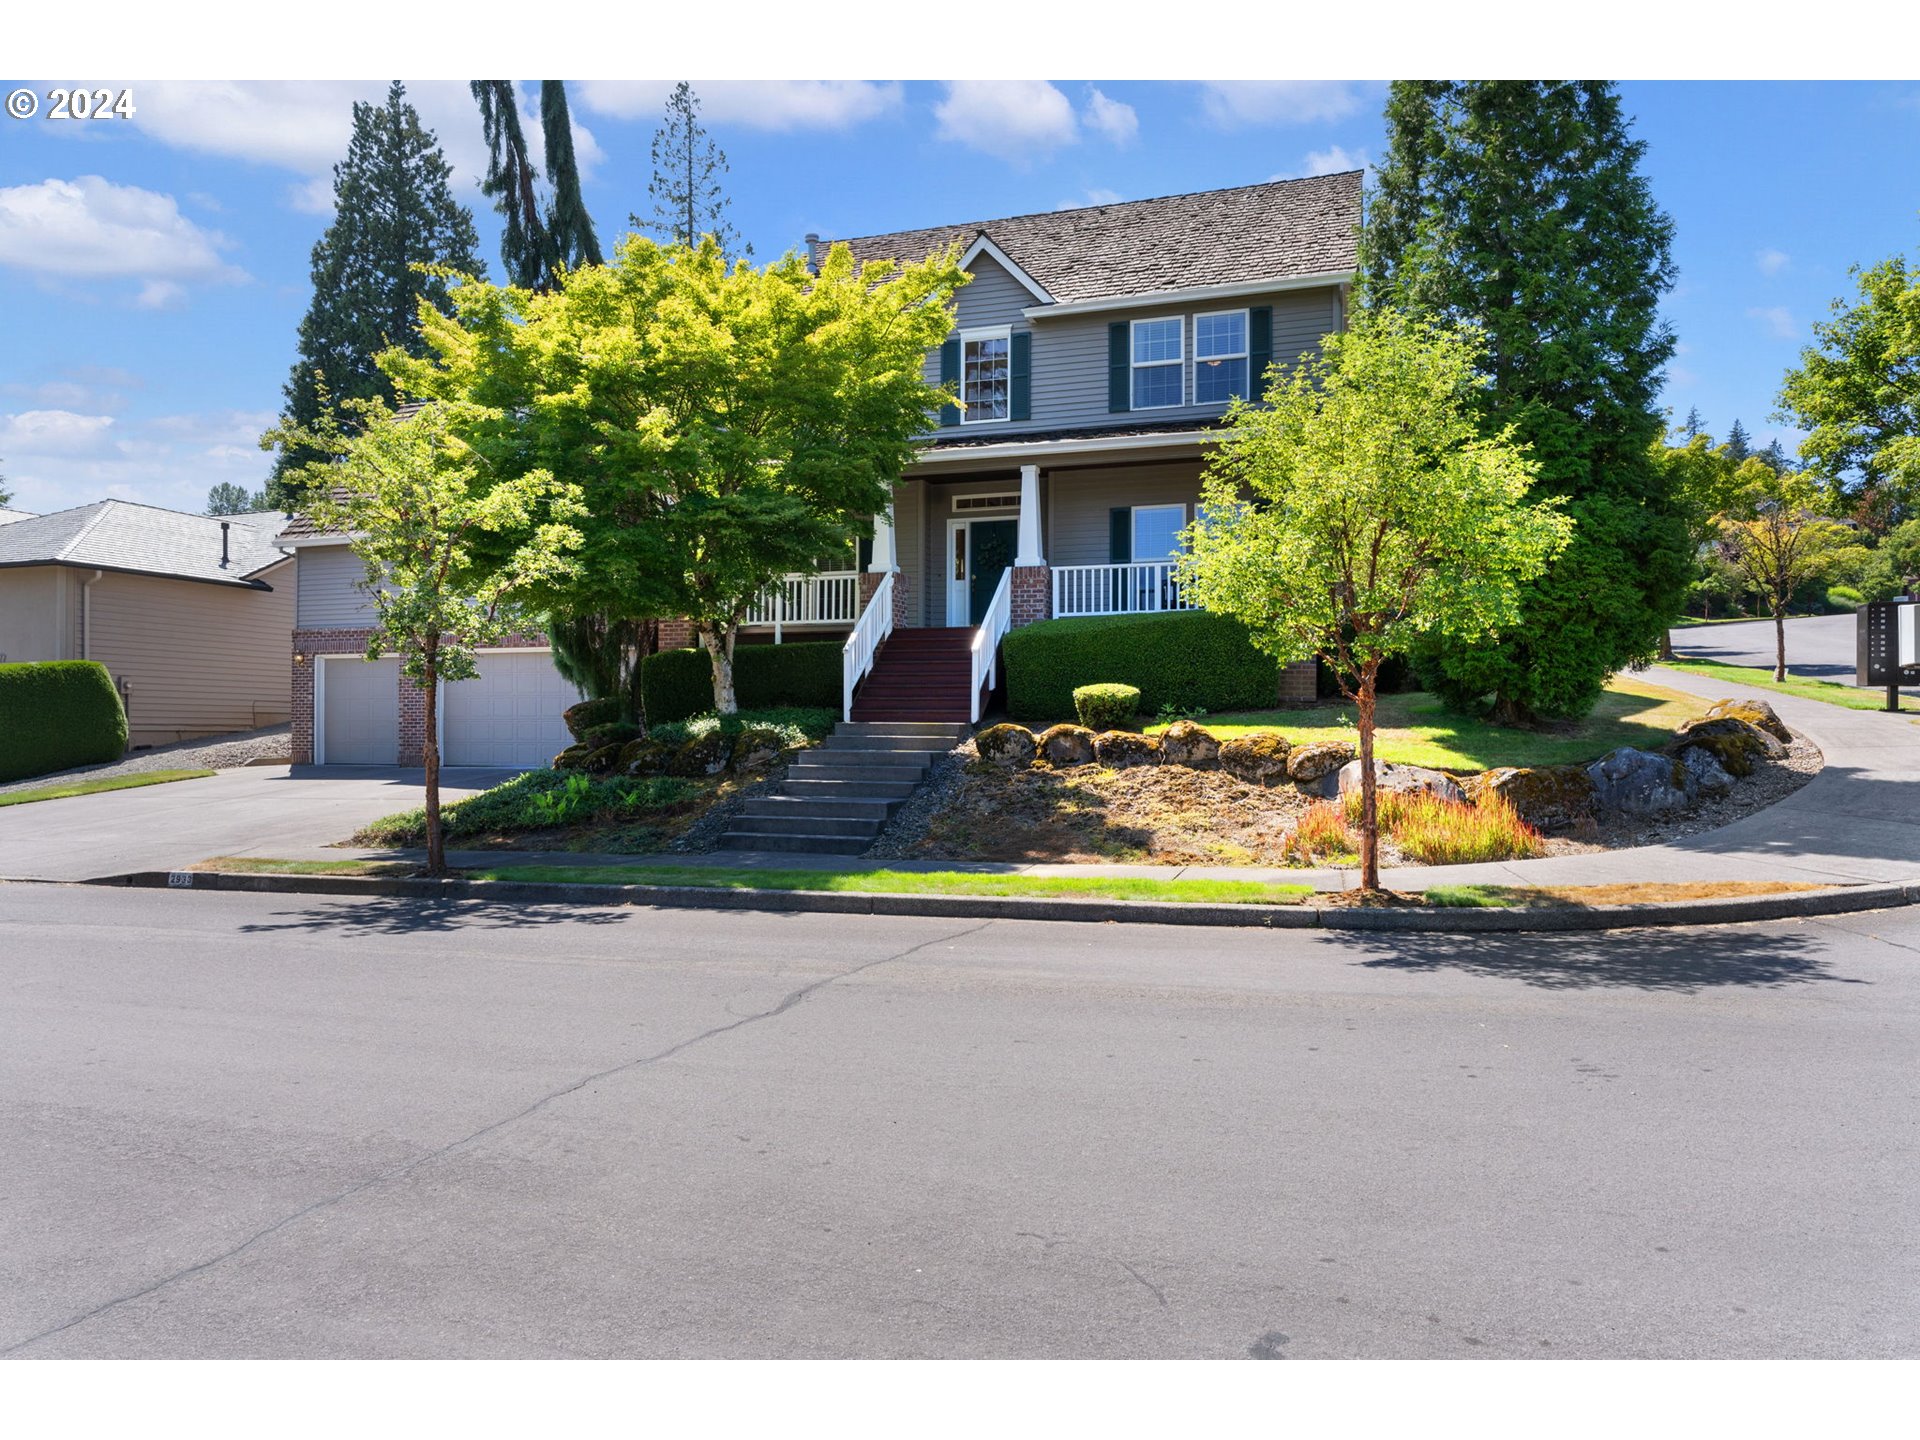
(86, 615)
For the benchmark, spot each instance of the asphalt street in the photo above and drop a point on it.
(1819, 647)
(256, 1125)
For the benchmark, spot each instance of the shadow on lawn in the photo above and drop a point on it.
(406, 915)
(1681, 961)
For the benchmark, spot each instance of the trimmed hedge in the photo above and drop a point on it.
(56, 714)
(678, 684)
(1106, 707)
(1188, 659)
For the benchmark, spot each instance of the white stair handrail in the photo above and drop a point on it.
(856, 660)
(986, 640)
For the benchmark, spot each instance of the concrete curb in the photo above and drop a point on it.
(984, 907)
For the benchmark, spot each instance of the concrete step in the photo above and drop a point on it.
(809, 824)
(934, 731)
(854, 765)
(877, 810)
(915, 746)
(798, 844)
(842, 789)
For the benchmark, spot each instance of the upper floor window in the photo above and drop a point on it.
(1158, 364)
(985, 374)
(1219, 357)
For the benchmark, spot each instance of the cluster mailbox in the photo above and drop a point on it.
(1887, 650)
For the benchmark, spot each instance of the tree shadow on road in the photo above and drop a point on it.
(1685, 961)
(405, 915)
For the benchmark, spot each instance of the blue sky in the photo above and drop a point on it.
(153, 270)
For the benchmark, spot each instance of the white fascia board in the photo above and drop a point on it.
(1041, 451)
(1197, 294)
(985, 246)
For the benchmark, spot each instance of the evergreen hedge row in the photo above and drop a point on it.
(1188, 659)
(56, 714)
(678, 684)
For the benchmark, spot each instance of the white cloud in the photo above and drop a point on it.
(1016, 120)
(1776, 319)
(57, 459)
(1114, 119)
(1771, 262)
(92, 229)
(1334, 159)
(312, 197)
(52, 432)
(1095, 196)
(161, 295)
(754, 104)
(1232, 104)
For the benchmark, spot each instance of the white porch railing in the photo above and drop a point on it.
(1141, 588)
(830, 597)
(986, 640)
(876, 623)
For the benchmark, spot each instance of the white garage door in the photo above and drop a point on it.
(359, 710)
(509, 714)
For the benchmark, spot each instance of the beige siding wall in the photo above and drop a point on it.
(198, 659)
(330, 597)
(37, 607)
(1081, 500)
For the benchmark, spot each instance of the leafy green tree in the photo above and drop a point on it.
(1520, 207)
(394, 213)
(227, 498)
(1362, 507)
(1700, 480)
(688, 199)
(1775, 534)
(724, 425)
(1856, 392)
(1739, 446)
(539, 234)
(451, 548)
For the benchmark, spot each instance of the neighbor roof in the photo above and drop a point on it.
(146, 540)
(1279, 230)
(7, 517)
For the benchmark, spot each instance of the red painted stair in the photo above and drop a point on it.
(919, 674)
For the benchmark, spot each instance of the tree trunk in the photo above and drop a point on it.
(1369, 797)
(1779, 644)
(1666, 644)
(719, 648)
(430, 757)
(1509, 711)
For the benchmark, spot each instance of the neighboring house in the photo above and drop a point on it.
(189, 613)
(7, 517)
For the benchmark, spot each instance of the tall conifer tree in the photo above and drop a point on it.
(393, 209)
(540, 233)
(1519, 208)
(1739, 444)
(688, 199)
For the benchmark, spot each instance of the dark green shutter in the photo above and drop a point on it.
(1021, 376)
(1119, 369)
(1259, 348)
(950, 380)
(863, 552)
(1120, 535)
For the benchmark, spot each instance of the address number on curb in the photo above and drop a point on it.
(180, 879)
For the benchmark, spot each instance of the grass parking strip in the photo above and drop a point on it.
(96, 787)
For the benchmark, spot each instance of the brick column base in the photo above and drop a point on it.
(902, 597)
(1031, 599)
(1299, 683)
(676, 634)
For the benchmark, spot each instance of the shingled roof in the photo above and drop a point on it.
(1279, 230)
(146, 540)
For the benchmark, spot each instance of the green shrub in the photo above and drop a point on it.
(1106, 707)
(795, 725)
(678, 684)
(1844, 597)
(1187, 659)
(56, 714)
(537, 800)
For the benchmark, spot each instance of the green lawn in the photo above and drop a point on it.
(1416, 729)
(95, 787)
(1826, 691)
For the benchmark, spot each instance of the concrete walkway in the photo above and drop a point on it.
(1858, 821)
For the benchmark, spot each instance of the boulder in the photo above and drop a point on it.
(1706, 777)
(1191, 745)
(1638, 782)
(1547, 797)
(758, 747)
(1757, 713)
(1122, 748)
(602, 760)
(1734, 743)
(1312, 762)
(578, 718)
(1401, 777)
(703, 755)
(1010, 747)
(1066, 745)
(571, 758)
(1258, 759)
(645, 757)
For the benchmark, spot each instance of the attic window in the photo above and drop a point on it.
(985, 374)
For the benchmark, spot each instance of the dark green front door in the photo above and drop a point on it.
(993, 544)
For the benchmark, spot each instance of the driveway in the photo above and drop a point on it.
(258, 810)
(1819, 647)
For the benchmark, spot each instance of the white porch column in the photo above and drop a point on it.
(1029, 551)
(883, 556)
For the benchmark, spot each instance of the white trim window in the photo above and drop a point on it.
(1156, 531)
(1219, 357)
(1159, 363)
(986, 375)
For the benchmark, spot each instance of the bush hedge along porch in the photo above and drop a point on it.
(1188, 659)
(678, 684)
(55, 714)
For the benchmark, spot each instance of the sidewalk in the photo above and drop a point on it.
(1857, 822)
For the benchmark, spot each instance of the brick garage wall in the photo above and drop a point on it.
(306, 645)
(676, 634)
(1031, 597)
(1299, 683)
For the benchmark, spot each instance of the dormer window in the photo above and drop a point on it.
(985, 374)
(1219, 357)
(1158, 364)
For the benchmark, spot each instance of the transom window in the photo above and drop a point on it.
(1219, 357)
(1156, 531)
(985, 374)
(1159, 363)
